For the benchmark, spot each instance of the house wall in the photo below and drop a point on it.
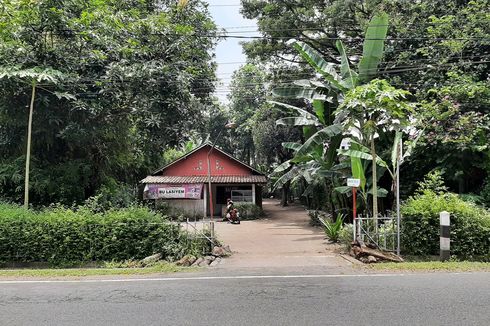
(196, 165)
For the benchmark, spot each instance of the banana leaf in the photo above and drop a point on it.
(297, 121)
(327, 69)
(319, 138)
(293, 91)
(291, 145)
(373, 47)
(349, 77)
(319, 107)
(357, 168)
(362, 155)
(301, 112)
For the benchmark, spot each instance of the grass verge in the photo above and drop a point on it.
(433, 266)
(161, 267)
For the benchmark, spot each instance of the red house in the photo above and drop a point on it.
(184, 183)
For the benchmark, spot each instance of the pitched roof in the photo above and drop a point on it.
(214, 149)
(230, 179)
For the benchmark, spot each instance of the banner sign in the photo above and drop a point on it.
(165, 191)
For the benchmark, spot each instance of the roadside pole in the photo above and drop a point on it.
(398, 217)
(354, 183)
(445, 242)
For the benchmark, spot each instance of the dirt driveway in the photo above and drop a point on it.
(283, 239)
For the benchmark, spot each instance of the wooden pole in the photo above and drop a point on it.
(28, 151)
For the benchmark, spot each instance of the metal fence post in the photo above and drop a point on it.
(445, 243)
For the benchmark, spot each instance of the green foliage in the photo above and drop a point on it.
(346, 236)
(485, 193)
(438, 50)
(470, 226)
(59, 236)
(332, 228)
(433, 182)
(249, 211)
(139, 75)
(113, 195)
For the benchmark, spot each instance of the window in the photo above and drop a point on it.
(241, 196)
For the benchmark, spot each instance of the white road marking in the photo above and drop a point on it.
(201, 278)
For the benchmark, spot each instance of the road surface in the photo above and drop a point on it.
(188, 299)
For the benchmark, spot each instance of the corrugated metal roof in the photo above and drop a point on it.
(204, 179)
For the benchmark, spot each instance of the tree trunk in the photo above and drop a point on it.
(28, 151)
(285, 194)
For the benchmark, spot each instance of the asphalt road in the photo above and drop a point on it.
(417, 299)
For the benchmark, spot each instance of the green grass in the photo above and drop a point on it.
(161, 267)
(433, 266)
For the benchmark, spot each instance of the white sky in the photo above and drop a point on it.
(229, 55)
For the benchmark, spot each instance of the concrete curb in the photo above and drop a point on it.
(352, 260)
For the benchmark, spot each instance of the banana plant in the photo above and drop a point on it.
(371, 109)
(320, 148)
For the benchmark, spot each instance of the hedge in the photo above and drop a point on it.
(58, 235)
(470, 226)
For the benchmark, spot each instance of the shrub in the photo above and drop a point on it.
(249, 211)
(346, 235)
(177, 213)
(485, 193)
(470, 226)
(332, 228)
(58, 235)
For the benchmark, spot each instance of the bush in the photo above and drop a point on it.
(346, 235)
(249, 211)
(470, 226)
(59, 236)
(332, 228)
(485, 193)
(177, 214)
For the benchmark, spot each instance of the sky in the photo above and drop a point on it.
(229, 55)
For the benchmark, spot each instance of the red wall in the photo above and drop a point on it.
(196, 164)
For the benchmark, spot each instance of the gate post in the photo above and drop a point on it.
(445, 243)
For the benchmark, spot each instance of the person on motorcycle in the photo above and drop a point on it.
(232, 214)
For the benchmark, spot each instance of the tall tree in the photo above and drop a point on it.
(141, 73)
(438, 50)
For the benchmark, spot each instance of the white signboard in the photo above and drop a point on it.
(353, 182)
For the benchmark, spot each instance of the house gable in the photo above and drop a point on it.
(195, 163)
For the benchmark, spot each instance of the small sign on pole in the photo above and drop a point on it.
(351, 182)
(354, 183)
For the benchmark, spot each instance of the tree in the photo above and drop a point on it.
(434, 48)
(141, 72)
(370, 109)
(248, 94)
(33, 77)
(321, 131)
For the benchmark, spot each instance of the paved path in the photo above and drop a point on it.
(283, 239)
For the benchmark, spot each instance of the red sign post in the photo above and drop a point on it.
(354, 183)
